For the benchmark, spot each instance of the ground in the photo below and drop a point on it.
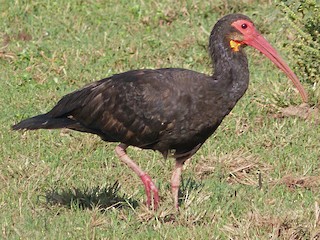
(256, 178)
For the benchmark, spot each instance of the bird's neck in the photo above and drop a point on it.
(231, 71)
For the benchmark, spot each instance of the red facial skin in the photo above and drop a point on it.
(253, 38)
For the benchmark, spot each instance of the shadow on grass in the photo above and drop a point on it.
(108, 197)
(103, 198)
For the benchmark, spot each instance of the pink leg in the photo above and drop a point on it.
(175, 182)
(146, 179)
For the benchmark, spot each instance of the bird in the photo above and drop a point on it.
(169, 110)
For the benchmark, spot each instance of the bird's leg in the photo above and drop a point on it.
(146, 179)
(175, 182)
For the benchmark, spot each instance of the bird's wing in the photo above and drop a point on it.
(134, 107)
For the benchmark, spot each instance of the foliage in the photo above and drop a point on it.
(304, 25)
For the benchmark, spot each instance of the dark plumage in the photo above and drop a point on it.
(170, 110)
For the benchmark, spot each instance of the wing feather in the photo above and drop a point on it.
(159, 109)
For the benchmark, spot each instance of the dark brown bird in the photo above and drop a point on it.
(171, 110)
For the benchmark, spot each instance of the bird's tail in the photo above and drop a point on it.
(43, 121)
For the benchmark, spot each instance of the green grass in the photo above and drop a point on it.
(68, 185)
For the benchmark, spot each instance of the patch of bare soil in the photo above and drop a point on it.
(6, 39)
(240, 167)
(294, 182)
(290, 226)
(303, 111)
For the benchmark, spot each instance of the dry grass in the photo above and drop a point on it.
(303, 111)
(294, 182)
(284, 227)
(239, 167)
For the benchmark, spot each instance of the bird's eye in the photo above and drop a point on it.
(244, 26)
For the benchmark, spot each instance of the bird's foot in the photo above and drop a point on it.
(150, 186)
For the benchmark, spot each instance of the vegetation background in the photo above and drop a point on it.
(68, 185)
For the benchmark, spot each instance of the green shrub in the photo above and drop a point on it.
(303, 16)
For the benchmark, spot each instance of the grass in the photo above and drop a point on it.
(68, 185)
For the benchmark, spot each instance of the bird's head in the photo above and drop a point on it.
(239, 31)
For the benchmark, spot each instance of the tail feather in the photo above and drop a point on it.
(43, 121)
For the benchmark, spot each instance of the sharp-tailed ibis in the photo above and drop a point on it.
(170, 110)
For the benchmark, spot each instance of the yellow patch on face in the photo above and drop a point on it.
(235, 45)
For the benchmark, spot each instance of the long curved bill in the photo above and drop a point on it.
(260, 43)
